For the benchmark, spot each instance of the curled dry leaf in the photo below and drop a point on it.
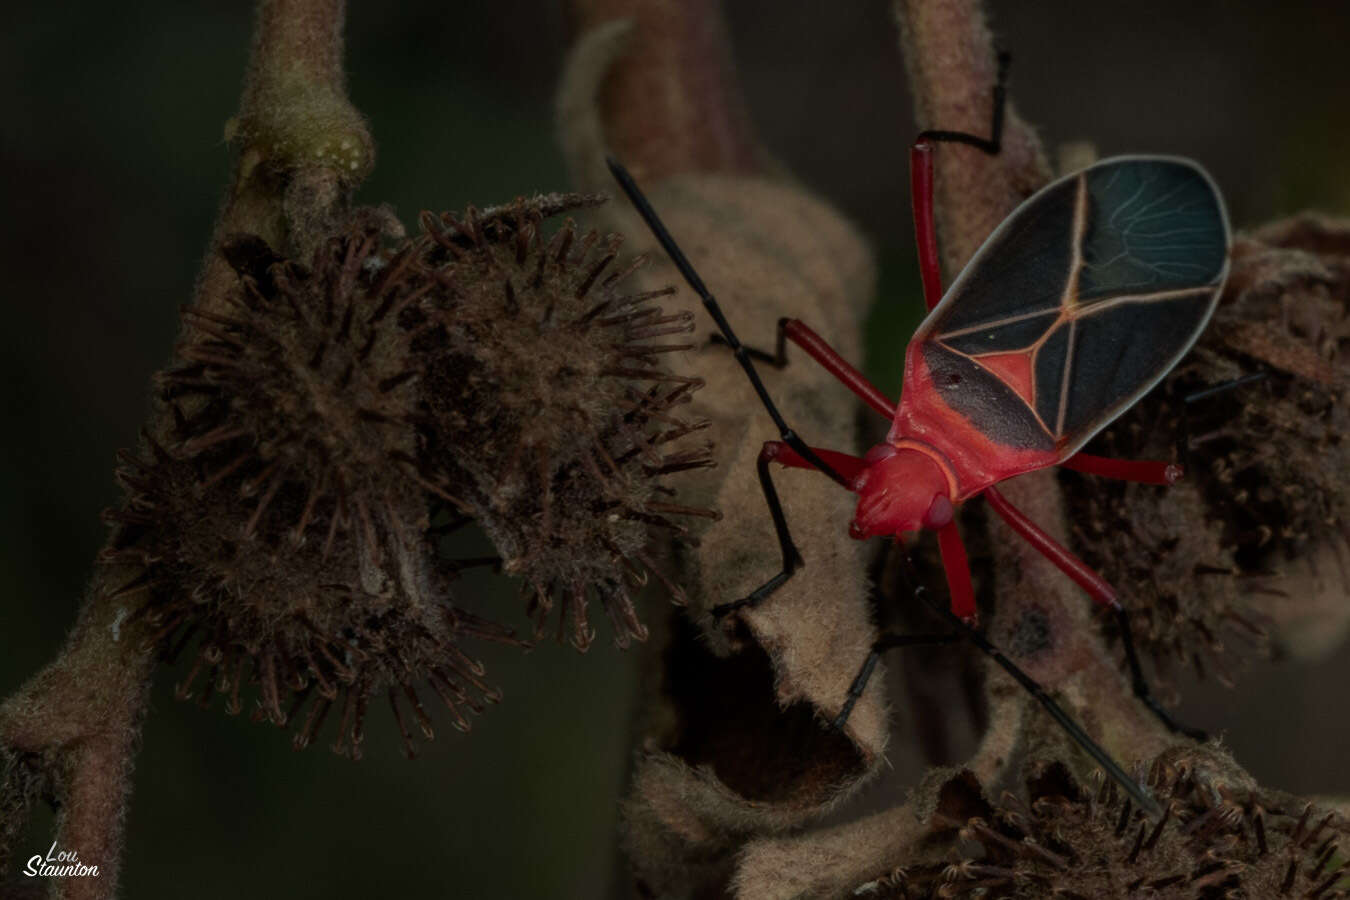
(1306, 605)
(806, 642)
(832, 862)
(738, 739)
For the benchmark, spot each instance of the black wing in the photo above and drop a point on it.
(1080, 302)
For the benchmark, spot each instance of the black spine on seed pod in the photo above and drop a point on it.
(1078, 840)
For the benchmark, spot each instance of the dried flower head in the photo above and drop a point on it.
(547, 414)
(281, 521)
(1273, 458)
(1214, 840)
(1265, 459)
(336, 418)
(1161, 549)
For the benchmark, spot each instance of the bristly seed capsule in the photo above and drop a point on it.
(548, 415)
(333, 419)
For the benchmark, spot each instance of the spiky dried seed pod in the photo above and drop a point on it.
(1272, 459)
(1265, 461)
(281, 521)
(1168, 559)
(1073, 841)
(547, 412)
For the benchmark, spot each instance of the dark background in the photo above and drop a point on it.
(113, 163)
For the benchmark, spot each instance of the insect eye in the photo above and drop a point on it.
(880, 452)
(940, 513)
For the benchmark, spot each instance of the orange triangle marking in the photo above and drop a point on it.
(1014, 370)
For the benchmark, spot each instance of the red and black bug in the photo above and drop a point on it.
(1078, 303)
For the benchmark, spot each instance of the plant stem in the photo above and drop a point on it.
(302, 148)
(671, 102)
(951, 58)
(82, 714)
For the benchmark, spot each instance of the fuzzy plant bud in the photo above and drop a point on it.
(549, 417)
(336, 417)
(279, 525)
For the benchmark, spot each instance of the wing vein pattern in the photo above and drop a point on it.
(1080, 302)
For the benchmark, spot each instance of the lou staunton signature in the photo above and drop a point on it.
(58, 864)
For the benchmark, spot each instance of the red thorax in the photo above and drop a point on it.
(901, 488)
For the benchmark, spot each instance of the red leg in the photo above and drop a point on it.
(1052, 550)
(1101, 592)
(1144, 471)
(778, 452)
(921, 182)
(925, 231)
(957, 567)
(816, 348)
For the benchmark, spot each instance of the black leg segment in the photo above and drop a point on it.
(1080, 737)
(743, 356)
(777, 359)
(884, 643)
(1183, 449)
(994, 142)
(1140, 684)
(792, 560)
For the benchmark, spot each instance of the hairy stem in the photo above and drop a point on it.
(301, 148)
(952, 64)
(951, 58)
(81, 716)
(671, 102)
